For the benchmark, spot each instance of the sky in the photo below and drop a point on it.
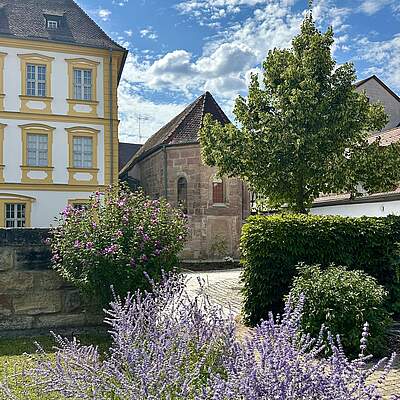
(179, 49)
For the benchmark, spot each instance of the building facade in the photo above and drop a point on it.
(169, 165)
(376, 204)
(59, 74)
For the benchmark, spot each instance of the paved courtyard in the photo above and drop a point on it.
(223, 288)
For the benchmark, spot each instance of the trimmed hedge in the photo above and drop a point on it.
(273, 246)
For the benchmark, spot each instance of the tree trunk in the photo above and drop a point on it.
(300, 198)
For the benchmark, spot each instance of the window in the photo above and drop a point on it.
(36, 80)
(80, 206)
(218, 191)
(182, 194)
(52, 24)
(15, 215)
(82, 152)
(37, 150)
(83, 84)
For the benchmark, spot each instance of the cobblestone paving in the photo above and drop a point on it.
(223, 288)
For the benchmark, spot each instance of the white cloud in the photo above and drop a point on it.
(148, 33)
(225, 63)
(129, 33)
(104, 14)
(373, 6)
(383, 58)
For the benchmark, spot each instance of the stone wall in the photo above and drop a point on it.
(214, 229)
(32, 295)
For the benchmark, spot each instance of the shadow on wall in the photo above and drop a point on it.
(32, 295)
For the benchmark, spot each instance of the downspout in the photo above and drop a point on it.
(165, 173)
(110, 80)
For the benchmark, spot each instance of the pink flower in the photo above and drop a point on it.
(111, 249)
(77, 244)
(89, 245)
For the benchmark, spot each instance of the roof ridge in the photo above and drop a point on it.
(220, 111)
(189, 109)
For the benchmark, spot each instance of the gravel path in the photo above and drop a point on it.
(223, 288)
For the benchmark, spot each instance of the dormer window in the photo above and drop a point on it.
(53, 20)
(52, 24)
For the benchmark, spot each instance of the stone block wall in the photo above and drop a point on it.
(32, 295)
(214, 229)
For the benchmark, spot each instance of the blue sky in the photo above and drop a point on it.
(179, 49)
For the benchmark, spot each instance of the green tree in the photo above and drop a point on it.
(304, 130)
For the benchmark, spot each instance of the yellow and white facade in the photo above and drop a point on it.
(58, 127)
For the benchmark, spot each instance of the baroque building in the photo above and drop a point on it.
(169, 165)
(59, 74)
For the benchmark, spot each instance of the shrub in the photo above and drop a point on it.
(114, 240)
(343, 301)
(169, 345)
(273, 246)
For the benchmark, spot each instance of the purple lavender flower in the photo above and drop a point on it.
(144, 258)
(167, 344)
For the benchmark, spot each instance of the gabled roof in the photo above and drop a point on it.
(125, 152)
(25, 19)
(387, 88)
(184, 128)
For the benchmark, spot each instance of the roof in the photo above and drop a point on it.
(126, 152)
(387, 88)
(387, 137)
(25, 19)
(182, 129)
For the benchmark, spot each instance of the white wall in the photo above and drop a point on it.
(378, 209)
(59, 79)
(12, 150)
(47, 205)
(376, 93)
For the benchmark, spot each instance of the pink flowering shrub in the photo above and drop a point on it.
(168, 344)
(114, 240)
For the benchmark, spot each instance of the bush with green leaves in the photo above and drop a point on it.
(343, 301)
(272, 247)
(115, 240)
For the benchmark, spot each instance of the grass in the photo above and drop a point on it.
(16, 356)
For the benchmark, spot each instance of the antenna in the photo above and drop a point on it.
(141, 118)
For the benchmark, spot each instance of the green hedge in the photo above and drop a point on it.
(343, 301)
(273, 246)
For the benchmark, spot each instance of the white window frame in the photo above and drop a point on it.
(34, 142)
(52, 24)
(82, 157)
(18, 218)
(83, 87)
(35, 85)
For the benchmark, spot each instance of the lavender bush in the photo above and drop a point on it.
(169, 345)
(114, 240)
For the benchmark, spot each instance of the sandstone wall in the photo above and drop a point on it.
(214, 229)
(32, 295)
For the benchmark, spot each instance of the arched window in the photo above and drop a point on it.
(218, 190)
(182, 194)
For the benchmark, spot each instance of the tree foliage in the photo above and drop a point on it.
(303, 130)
